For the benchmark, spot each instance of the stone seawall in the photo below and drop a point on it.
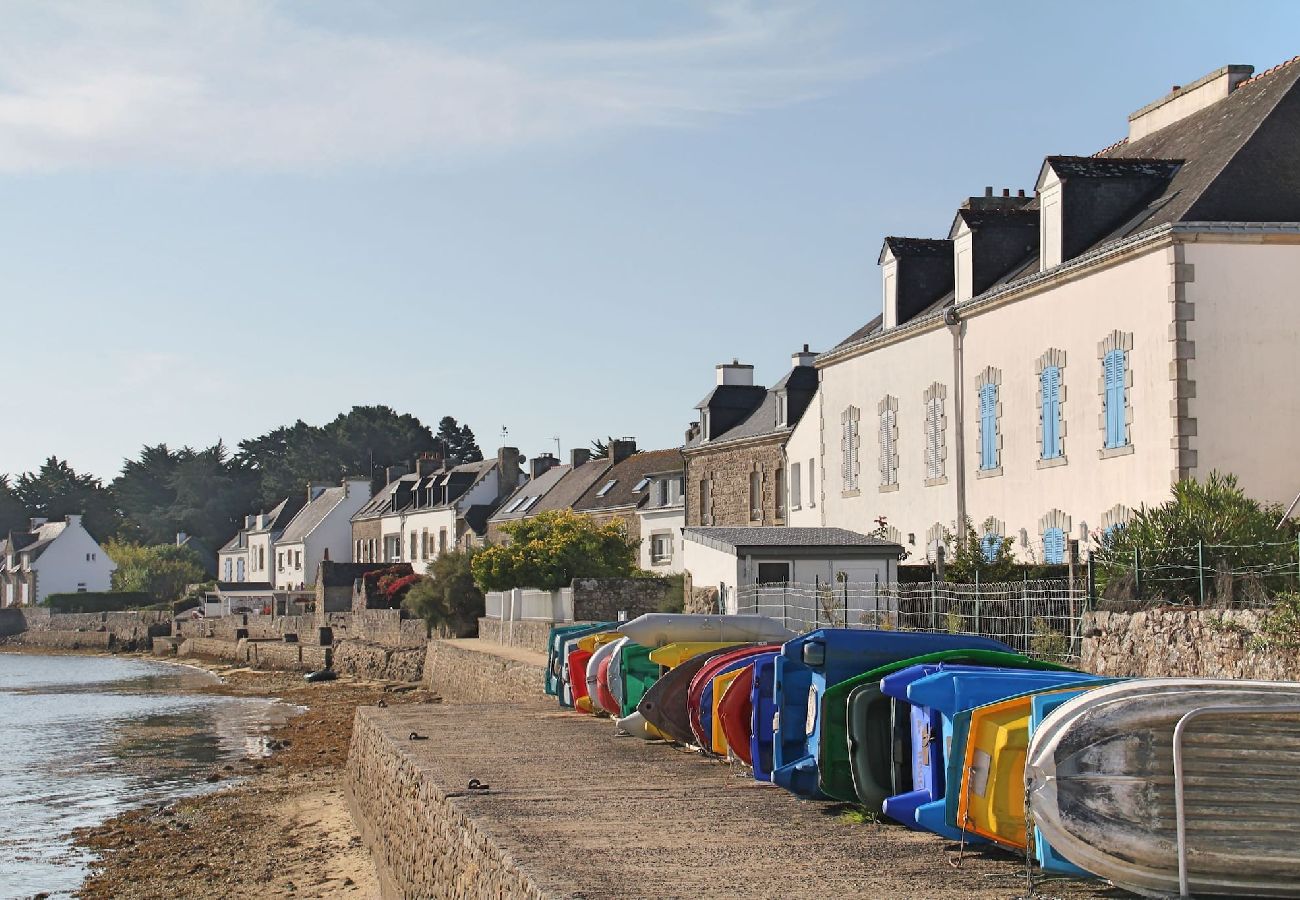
(69, 640)
(423, 843)
(377, 662)
(460, 674)
(1179, 642)
(527, 634)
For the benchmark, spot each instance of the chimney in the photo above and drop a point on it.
(914, 272)
(541, 464)
(508, 471)
(249, 522)
(579, 456)
(392, 473)
(735, 372)
(427, 465)
(1182, 102)
(314, 490)
(73, 520)
(621, 448)
(802, 357)
(36, 522)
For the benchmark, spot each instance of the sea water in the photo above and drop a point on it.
(83, 738)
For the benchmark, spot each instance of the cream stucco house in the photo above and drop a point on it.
(1056, 360)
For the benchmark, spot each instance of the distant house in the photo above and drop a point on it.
(249, 554)
(52, 558)
(544, 474)
(735, 464)
(641, 485)
(560, 487)
(438, 508)
(321, 530)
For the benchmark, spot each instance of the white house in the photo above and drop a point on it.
(1058, 360)
(663, 515)
(738, 560)
(52, 558)
(322, 529)
(249, 555)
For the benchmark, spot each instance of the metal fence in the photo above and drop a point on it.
(1216, 575)
(1037, 618)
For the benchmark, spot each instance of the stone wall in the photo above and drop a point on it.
(132, 630)
(530, 635)
(375, 661)
(423, 845)
(460, 675)
(378, 626)
(728, 469)
(602, 599)
(68, 640)
(1174, 641)
(232, 651)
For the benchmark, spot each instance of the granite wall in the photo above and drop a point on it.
(602, 599)
(377, 662)
(423, 845)
(1176, 641)
(461, 675)
(529, 634)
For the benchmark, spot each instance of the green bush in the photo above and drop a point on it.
(965, 555)
(98, 601)
(551, 549)
(447, 598)
(164, 570)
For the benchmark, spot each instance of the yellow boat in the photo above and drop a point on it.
(716, 736)
(992, 798)
(593, 642)
(672, 655)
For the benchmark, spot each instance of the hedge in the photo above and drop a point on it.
(98, 601)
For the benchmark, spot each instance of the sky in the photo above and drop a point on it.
(554, 218)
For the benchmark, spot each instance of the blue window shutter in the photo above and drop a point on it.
(1051, 388)
(989, 547)
(1116, 427)
(988, 426)
(1054, 546)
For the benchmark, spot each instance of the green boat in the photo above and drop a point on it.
(834, 771)
(638, 673)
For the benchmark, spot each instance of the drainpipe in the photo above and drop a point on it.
(952, 318)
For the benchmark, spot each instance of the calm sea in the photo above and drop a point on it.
(84, 738)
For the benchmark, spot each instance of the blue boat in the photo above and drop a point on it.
(763, 717)
(1048, 859)
(555, 657)
(941, 696)
(810, 663)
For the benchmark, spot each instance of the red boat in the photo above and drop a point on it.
(716, 666)
(735, 709)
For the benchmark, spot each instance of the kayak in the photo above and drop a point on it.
(605, 701)
(672, 655)
(809, 664)
(718, 689)
(763, 716)
(604, 645)
(1100, 772)
(658, 629)
(636, 673)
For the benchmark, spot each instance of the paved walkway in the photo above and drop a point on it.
(590, 815)
(518, 654)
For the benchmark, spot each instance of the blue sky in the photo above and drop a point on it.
(221, 217)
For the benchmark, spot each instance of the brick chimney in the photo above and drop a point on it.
(508, 471)
(579, 456)
(541, 464)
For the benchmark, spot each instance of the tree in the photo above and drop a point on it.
(13, 515)
(57, 491)
(163, 570)
(448, 599)
(551, 549)
(600, 448)
(1208, 534)
(457, 442)
(967, 553)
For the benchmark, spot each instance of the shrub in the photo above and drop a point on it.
(967, 553)
(98, 601)
(447, 598)
(164, 570)
(551, 549)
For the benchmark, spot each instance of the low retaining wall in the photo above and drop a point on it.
(1179, 642)
(232, 651)
(461, 675)
(69, 640)
(423, 845)
(529, 635)
(374, 661)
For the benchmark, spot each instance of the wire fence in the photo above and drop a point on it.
(1037, 618)
(1215, 575)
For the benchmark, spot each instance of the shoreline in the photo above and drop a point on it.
(280, 828)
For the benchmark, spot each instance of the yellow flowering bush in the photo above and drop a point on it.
(551, 549)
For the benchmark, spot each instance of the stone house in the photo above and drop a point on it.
(51, 558)
(1060, 359)
(735, 469)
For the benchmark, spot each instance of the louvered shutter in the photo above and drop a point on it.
(1051, 387)
(1054, 546)
(932, 438)
(1114, 379)
(988, 426)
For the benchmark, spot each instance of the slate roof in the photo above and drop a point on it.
(573, 485)
(311, 515)
(539, 487)
(280, 515)
(379, 501)
(909, 246)
(260, 587)
(341, 574)
(1233, 161)
(43, 536)
(626, 475)
(738, 539)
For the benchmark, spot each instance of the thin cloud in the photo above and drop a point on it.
(242, 84)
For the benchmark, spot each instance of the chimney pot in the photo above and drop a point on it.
(988, 190)
(1020, 193)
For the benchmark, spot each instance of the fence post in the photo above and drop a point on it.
(844, 619)
(1092, 585)
(1024, 608)
(785, 607)
(1137, 573)
(817, 602)
(977, 601)
(1200, 569)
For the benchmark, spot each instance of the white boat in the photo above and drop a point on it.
(593, 669)
(636, 726)
(658, 629)
(1102, 789)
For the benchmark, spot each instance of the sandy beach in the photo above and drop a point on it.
(280, 829)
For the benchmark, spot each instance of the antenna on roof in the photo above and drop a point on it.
(505, 433)
(556, 438)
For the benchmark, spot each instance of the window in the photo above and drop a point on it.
(641, 485)
(935, 451)
(989, 546)
(812, 485)
(1051, 400)
(81, 587)
(782, 407)
(662, 491)
(661, 548)
(779, 484)
(424, 543)
(609, 486)
(773, 573)
(706, 501)
(297, 559)
(988, 418)
(755, 496)
(888, 410)
(528, 503)
(413, 548)
(796, 486)
(1053, 546)
(227, 567)
(849, 443)
(515, 504)
(442, 540)
(1113, 374)
(279, 562)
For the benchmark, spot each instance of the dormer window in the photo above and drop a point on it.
(782, 411)
(609, 486)
(704, 425)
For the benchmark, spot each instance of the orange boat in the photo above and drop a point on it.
(735, 710)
